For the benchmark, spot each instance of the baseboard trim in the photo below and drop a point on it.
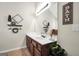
(12, 49)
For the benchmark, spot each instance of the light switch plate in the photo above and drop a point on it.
(75, 27)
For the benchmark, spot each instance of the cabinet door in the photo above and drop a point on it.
(39, 47)
(37, 52)
(45, 50)
(27, 42)
(31, 49)
(34, 43)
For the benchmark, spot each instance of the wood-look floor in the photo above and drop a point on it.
(19, 52)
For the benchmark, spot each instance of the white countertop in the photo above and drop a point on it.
(38, 38)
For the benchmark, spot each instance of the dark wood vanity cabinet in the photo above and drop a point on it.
(35, 48)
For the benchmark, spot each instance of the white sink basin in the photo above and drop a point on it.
(39, 38)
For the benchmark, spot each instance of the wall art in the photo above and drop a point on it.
(14, 23)
(68, 13)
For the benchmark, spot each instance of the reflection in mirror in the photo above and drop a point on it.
(47, 20)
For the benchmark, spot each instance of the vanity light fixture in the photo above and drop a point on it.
(42, 7)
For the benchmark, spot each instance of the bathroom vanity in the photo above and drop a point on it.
(37, 45)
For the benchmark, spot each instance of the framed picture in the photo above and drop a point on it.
(68, 13)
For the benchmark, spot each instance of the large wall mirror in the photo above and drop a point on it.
(49, 19)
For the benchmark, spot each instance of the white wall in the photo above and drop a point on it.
(9, 40)
(31, 23)
(67, 38)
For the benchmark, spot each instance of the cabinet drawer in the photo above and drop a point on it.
(28, 39)
(39, 47)
(36, 52)
(34, 43)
